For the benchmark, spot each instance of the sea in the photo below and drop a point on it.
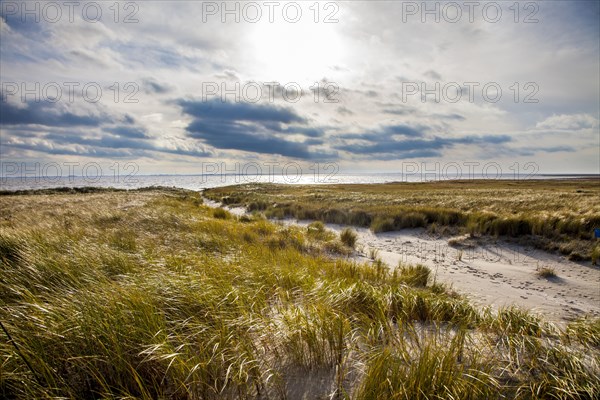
(205, 181)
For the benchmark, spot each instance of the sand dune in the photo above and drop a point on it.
(496, 274)
(493, 274)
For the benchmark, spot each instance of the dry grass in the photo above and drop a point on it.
(149, 294)
(546, 272)
(348, 237)
(557, 215)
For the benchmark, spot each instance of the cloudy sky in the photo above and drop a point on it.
(367, 85)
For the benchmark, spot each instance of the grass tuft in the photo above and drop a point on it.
(414, 275)
(348, 237)
(221, 213)
(546, 272)
(595, 256)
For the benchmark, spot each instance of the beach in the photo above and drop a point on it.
(491, 272)
(163, 293)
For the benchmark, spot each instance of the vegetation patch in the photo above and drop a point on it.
(149, 294)
(546, 272)
(348, 237)
(221, 213)
(549, 214)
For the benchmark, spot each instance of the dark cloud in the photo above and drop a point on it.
(73, 143)
(232, 135)
(531, 151)
(20, 21)
(386, 145)
(220, 110)
(408, 154)
(104, 136)
(403, 141)
(94, 144)
(250, 127)
(140, 144)
(294, 129)
(44, 113)
(47, 148)
(481, 139)
(128, 119)
(388, 132)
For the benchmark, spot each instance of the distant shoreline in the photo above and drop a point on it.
(201, 182)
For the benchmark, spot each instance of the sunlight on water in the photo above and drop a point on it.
(199, 182)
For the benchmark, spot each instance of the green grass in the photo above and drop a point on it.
(149, 294)
(556, 215)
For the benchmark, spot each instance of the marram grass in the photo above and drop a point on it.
(556, 215)
(149, 294)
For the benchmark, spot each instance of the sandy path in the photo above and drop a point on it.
(496, 274)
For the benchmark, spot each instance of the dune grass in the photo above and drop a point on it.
(546, 272)
(557, 215)
(149, 294)
(348, 237)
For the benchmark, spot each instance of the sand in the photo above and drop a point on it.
(494, 273)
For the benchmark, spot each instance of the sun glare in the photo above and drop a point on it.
(301, 52)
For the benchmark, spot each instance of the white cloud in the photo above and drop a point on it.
(370, 50)
(572, 122)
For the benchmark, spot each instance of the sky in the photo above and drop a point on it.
(380, 86)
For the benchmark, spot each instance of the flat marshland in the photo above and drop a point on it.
(151, 294)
